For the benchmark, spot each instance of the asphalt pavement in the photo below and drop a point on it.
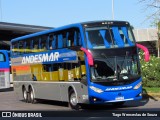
(10, 101)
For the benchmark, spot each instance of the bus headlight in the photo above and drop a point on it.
(96, 89)
(138, 85)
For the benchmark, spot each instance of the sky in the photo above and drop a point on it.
(56, 13)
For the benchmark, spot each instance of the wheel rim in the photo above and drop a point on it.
(73, 99)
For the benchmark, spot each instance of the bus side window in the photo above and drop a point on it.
(64, 40)
(27, 46)
(55, 75)
(79, 40)
(50, 42)
(67, 40)
(21, 47)
(31, 44)
(43, 44)
(83, 70)
(60, 41)
(54, 41)
(35, 44)
(70, 72)
(71, 38)
(75, 38)
(76, 71)
(61, 72)
(15, 48)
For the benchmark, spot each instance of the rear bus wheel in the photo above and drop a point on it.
(25, 96)
(31, 96)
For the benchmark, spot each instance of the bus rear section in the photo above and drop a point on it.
(4, 70)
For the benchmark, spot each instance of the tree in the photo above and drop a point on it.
(155, 6)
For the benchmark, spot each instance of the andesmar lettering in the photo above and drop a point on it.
(40, 58)
(118, 88)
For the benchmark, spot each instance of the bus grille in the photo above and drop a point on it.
(2, 78)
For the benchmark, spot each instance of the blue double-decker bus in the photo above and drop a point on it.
(84, 63)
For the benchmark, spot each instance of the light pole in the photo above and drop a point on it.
(1, 10)
(113, 9)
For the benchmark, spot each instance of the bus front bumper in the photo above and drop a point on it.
(119, 96)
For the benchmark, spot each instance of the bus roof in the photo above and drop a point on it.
(90, 23)
(45, 32)
(98, 23)
(4, 51)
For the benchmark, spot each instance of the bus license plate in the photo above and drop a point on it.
(120, 98)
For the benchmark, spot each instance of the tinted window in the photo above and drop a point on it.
(15, 48)
(109, 36)
(36, 43)
(43, 42)
(73, 37)
(21, 47)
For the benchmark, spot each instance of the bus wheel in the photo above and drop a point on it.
(31, 96)
(73, 100)
(25, 94)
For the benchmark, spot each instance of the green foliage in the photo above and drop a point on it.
(152, 89)
(150, 71)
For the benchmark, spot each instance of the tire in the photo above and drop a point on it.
(25, 94)
(73, 100)
(31, 96)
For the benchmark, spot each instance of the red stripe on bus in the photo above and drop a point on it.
(4, 69)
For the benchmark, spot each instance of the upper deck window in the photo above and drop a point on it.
(109, 36)
(15, 50)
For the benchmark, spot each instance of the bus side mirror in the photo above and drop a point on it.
(146, 52)
(89, 56)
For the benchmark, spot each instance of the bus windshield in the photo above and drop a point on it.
(109, 36)
(115, 68)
